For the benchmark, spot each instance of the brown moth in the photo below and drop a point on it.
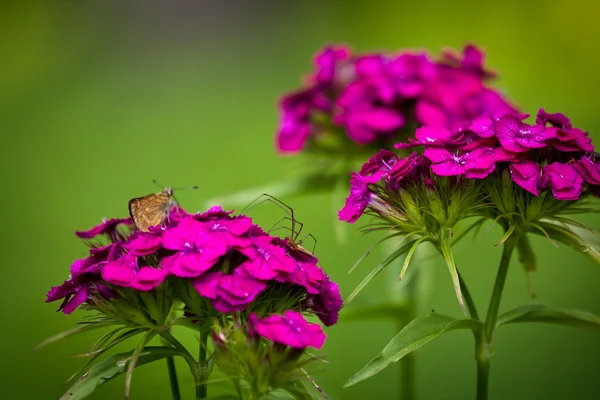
(151, 210)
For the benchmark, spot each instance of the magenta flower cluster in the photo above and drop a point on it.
(371, 97)
(550, 154)
(227, 259)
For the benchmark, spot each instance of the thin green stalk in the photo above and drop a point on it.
(469, 302)
(172, 371)
(407, 377)
(167, 336)
(483, 372)
(175, 394)
(407, 297)
(201, 385)
(202, 368)
(483, 340)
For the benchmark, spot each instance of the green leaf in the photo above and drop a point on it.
(414, 335)
(550, 315)
(112, 367)
(378, 269)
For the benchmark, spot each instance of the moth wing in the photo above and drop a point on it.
(149, 211)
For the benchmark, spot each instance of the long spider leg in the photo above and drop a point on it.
(255, 203)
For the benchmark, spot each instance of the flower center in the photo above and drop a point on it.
(459, 159)
(294, 326)
(264, 252)
(218, 227)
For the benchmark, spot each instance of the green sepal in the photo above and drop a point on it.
(526, 254)
(449, 258)
(72, 332)
(399, 252)
(550, 315)
(563, 234)
(134, 360)
(527, 260)
(112, 367)
(417, 333)
(100, 348)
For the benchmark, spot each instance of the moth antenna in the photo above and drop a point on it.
(184, 188)
(188, 188)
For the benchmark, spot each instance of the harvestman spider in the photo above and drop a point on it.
(292, 239)
(293, 243)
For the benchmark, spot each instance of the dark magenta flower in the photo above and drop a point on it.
(410, 73)
(290, 329)
(358, 200)
(568, 139)
(75, 291)
(404, 167)
(328, 303)
(144, 243)
(196, 251)
(373, 97)
(430, 136)
(563, 179)
(589, 168)
(477, 163)
(379, 165)
(484, 126)
(229, 292)
(295, 124)
(126, 272)
(517, 136)
(472, 60)
(526, 174)
(327, 62)
(213, 213)
(363, 114)
(108, 227)
(307, 275)
(373, 70)
(266, 260)
(230, 231)
(98, 257)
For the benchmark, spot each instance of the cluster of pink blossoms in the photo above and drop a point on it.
(227, 259)
(550, 154)
(370, 98)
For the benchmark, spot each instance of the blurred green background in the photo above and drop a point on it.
(97, 99)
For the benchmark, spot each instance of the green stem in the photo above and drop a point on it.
(407, 363)
(407, 377)
(483, 340)
(168, 337)
(483, 372)
(202, 368)
(175, 394)
(468, 298)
